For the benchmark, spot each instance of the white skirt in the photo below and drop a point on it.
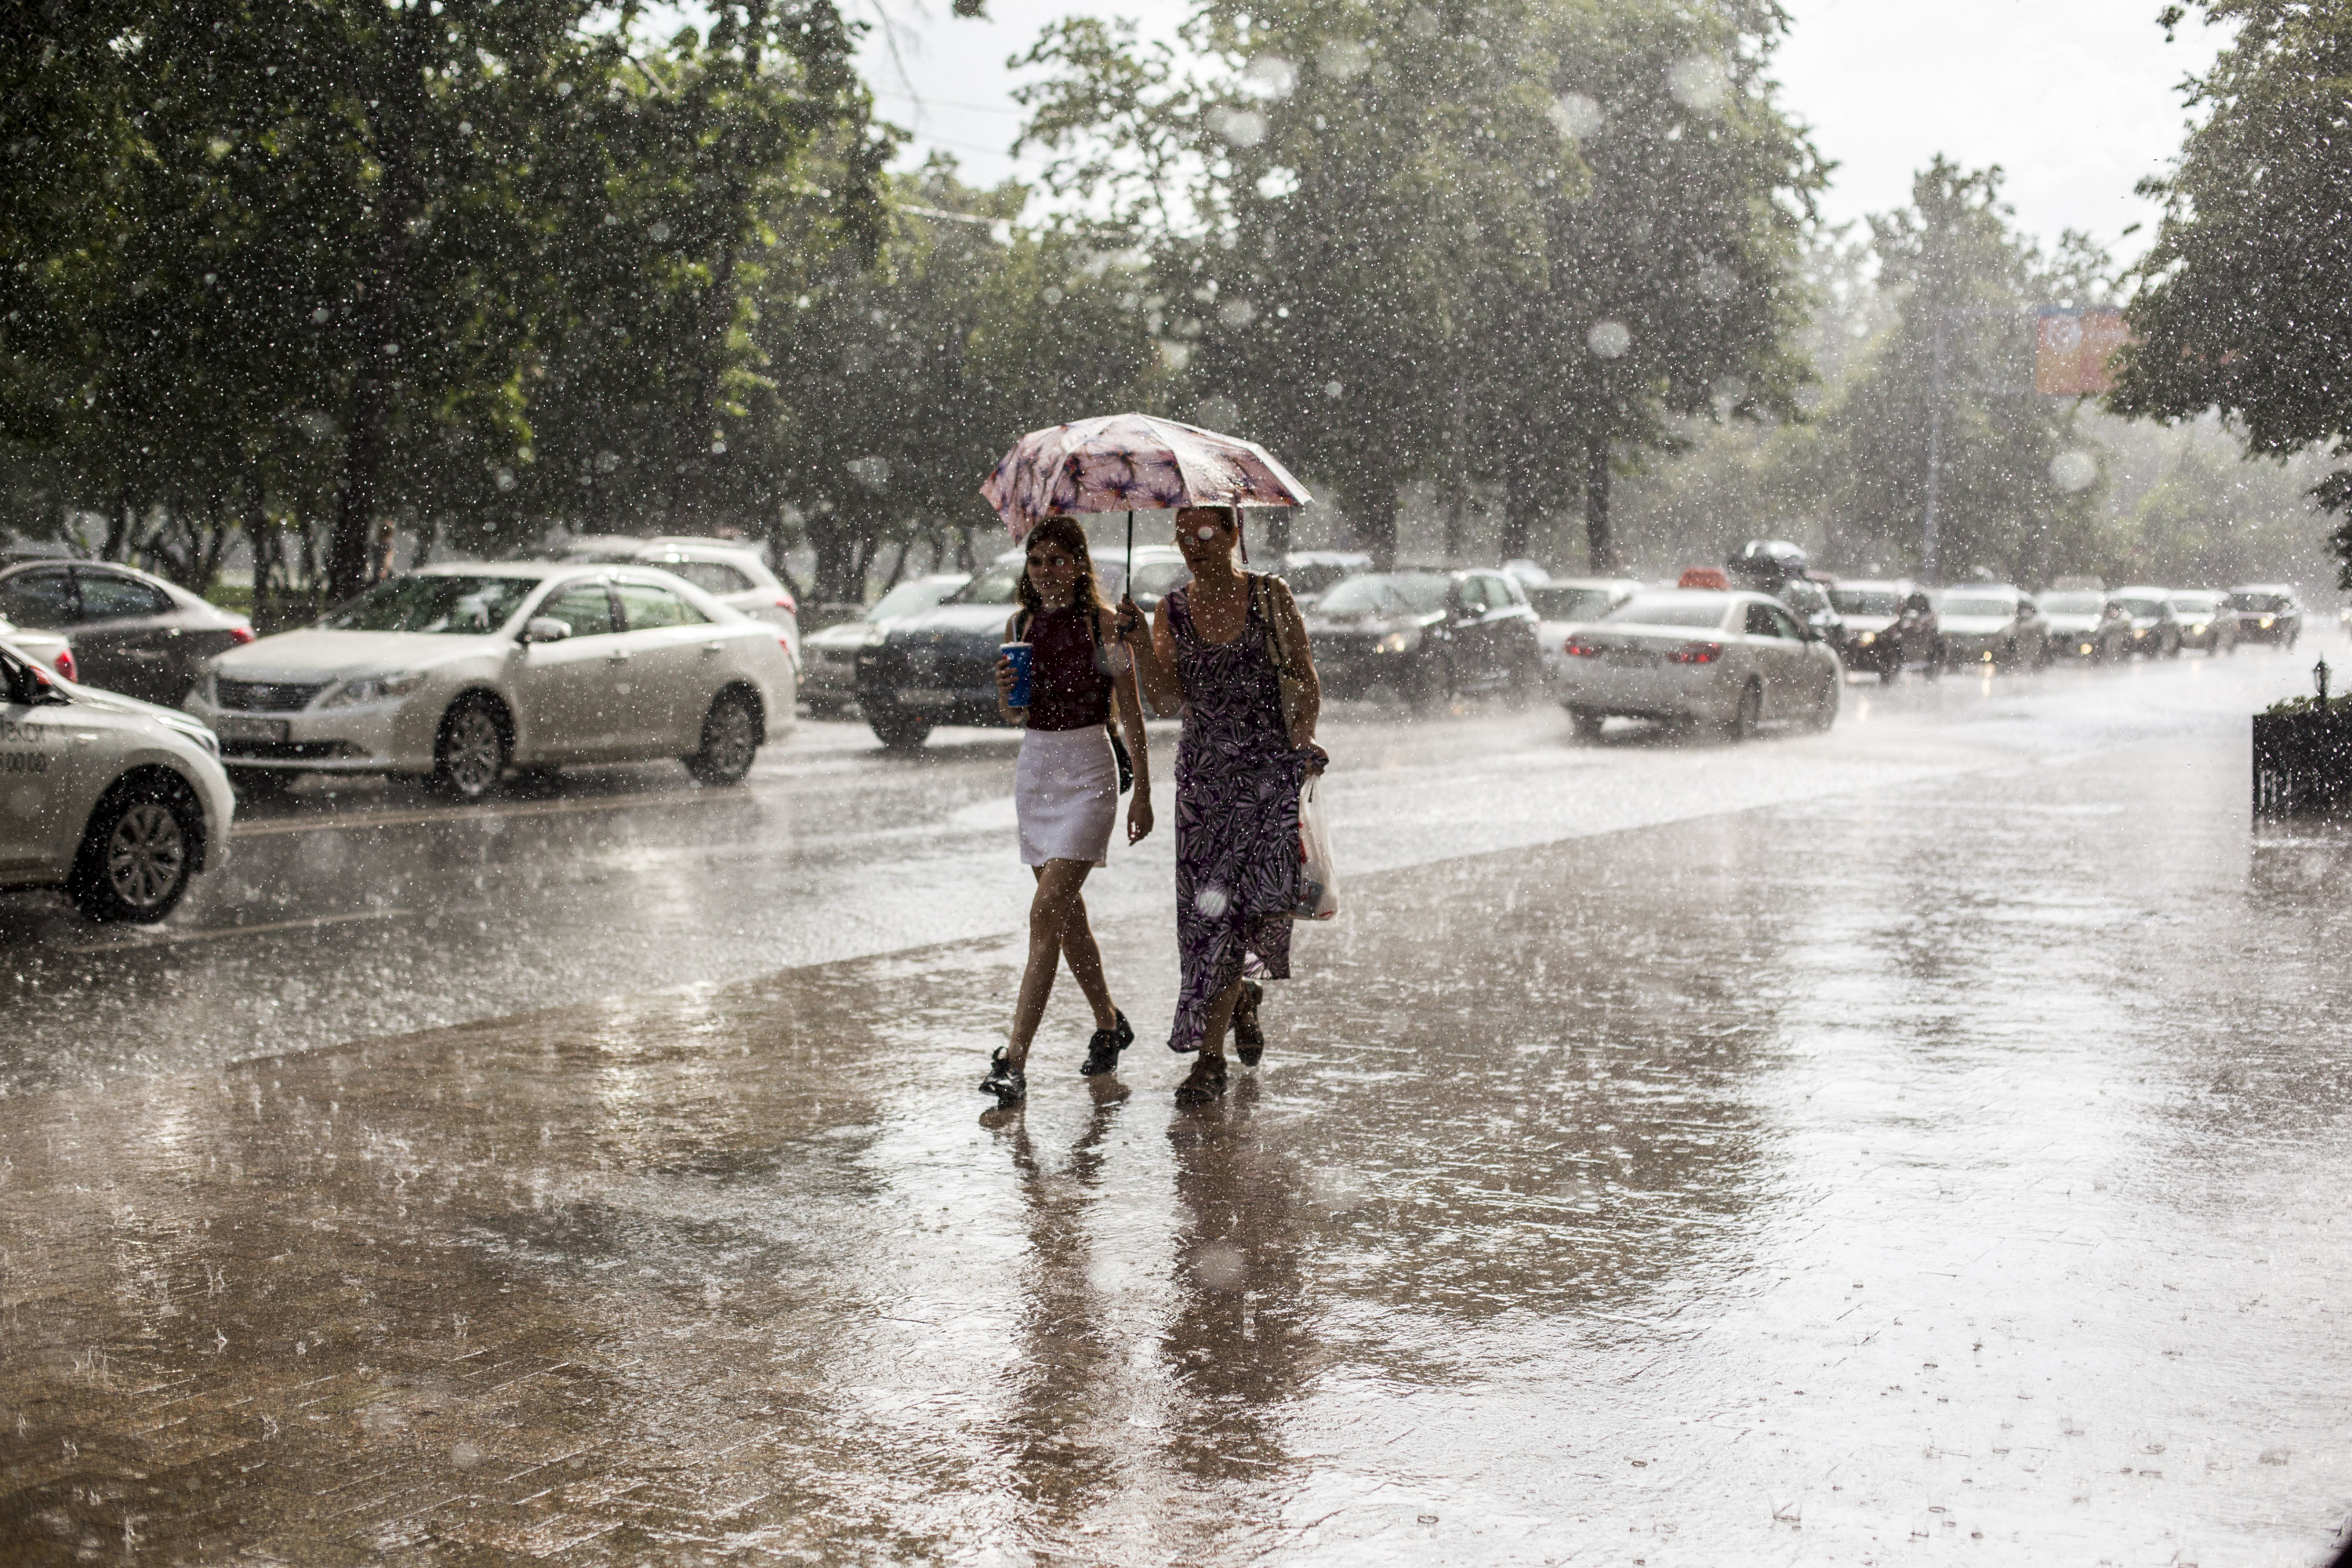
(1065, 789)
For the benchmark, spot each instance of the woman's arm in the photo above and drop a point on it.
(1126, 699)
(1299, 657)
(1016, 717)
(1155, 661)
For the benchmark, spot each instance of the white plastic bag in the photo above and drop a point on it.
(1318, 878)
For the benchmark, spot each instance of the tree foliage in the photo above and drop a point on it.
(2242, 306)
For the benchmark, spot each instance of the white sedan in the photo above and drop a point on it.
(456, 672)
(1734, 659)
(116, 801)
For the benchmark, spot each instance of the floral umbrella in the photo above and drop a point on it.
(1131, 462)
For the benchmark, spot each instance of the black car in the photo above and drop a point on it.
(2267, 612)
(939, 666)
(2087, 624)
(131, 632)
(1425, 634)
(2155, 629)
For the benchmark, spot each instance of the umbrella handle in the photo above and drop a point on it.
(1127, 584)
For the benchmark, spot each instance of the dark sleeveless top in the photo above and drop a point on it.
(1067, 690)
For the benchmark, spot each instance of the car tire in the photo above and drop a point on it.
(261, 783)
(730, 741)
(1824, 714)
(1526, 677)
(1747, 714)
(1585, 723)
(895, 728)
(138, 854)
(469, 755)
(1891, 674)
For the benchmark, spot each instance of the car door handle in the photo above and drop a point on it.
(714, 647)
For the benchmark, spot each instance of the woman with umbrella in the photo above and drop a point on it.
(1231, 651)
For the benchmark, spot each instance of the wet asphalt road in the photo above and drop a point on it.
(1918, 1143)
(378, 908)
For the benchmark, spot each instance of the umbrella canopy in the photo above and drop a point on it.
(1132, 462)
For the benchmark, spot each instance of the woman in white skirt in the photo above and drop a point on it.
(1066, 787)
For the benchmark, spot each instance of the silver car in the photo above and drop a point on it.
(454, 672)
(829, 669)
(1734, 659)
(1565, 605)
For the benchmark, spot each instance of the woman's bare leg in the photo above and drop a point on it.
(1221, 1014)
(1085, 958)
(1058, 882)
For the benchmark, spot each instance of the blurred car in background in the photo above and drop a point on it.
(1809, 598)
(1731, 658)
(2154, 630)
(1890, 626)
(2085, 623)
(1766, 565)
(121, 802)
(1568, 605)
(1992, 624)
(2267, 612)
(1313, 573)
(42, 647)
(1426, 634)
(735, 575)
(937, 666)
(2206, 620)
(131, 632)
(829, 673)
(455, 672)
(1160, 570)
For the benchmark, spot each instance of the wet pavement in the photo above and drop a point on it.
(1918, 1143)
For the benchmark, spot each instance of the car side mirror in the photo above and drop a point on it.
(45, 692)
(544, 629)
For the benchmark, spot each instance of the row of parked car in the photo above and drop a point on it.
(1774, 642)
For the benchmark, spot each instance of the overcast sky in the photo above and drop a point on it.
(2075, 99)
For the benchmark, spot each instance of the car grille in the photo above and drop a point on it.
(265, 696)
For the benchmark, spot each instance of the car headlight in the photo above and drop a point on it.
(2197, 630)
(1398, 642)
(2267, 620)
(371, 689)
(1866, 640)
(200, 735)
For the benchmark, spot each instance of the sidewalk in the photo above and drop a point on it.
(1955, 1162)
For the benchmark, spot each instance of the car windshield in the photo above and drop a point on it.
(2141, 606)
(2072, 603)
(462, 606)
(2193, 604)
(905, 599)
(1867, 601)
(1670, 610)
(1409, 593)
(1569, 604)
(999, 583)
(1157, 579)
(1313, 576)
(2263, 604)
(1999, 609)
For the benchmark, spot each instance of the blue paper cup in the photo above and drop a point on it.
(1019, 653)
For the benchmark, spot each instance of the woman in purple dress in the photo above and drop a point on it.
(1219, 647)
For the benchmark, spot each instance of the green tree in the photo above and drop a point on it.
(2241, 305)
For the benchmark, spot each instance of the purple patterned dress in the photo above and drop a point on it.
(1237, 782)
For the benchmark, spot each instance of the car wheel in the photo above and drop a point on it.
(471, 753)
(730, 741)
(1585, 723)
(1427, 685)
(1526, 676)
(1825, 712)
(1891, 673)
(2174, 651)
(1744, 719)
(261, 783)
(138, 855)
(895, 728)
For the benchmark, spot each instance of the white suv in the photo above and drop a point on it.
(116, 801)
(737, 576)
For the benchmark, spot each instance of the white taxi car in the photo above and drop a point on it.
(1735, 659)
(116, 801)
(455, 672)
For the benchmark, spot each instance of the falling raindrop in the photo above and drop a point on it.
(1576, 116)
(1210, 900)
(1343, 60)
(1236, 312)
(658, 234)
(465, 1455)
(2075, 470)
(1220, 1267)
(1269, 76)
(1332, 389)
(1608, 338)
(1699, 81)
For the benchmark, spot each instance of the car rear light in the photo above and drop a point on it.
(239, 635)
(783, 642)
(66, 666)
(1577, 648)
(1695, 653)
(787, 606)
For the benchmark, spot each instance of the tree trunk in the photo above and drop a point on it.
(1602, 548)
(1523, 505)
(1374, 514)
(351, 542)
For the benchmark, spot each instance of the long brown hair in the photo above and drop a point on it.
(1066, 532)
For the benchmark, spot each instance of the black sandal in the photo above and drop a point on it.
(1102, 1051)
(1204, 1083)
(1006, 1081)
(1249, 1039)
